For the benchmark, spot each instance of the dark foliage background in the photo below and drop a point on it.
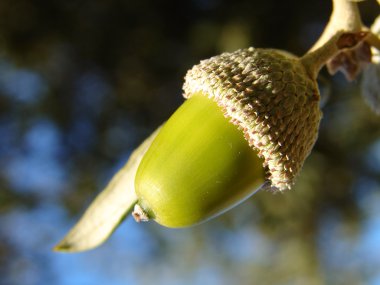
(83, 82)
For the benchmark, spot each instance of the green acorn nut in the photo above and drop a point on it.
(198, 166)
(252, 116)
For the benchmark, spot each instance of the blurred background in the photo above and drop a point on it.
(82, 83)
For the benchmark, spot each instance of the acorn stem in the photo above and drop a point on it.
(345, 16)
(344, 30)
(314, 60)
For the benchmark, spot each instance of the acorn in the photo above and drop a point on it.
(251, 117)
(250, 120)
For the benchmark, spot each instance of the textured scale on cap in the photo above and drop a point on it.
(270, 97)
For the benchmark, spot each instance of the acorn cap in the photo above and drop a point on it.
(269, 95)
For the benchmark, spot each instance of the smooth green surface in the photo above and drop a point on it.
(198, 166)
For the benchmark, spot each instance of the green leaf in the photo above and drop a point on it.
(108, 209)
